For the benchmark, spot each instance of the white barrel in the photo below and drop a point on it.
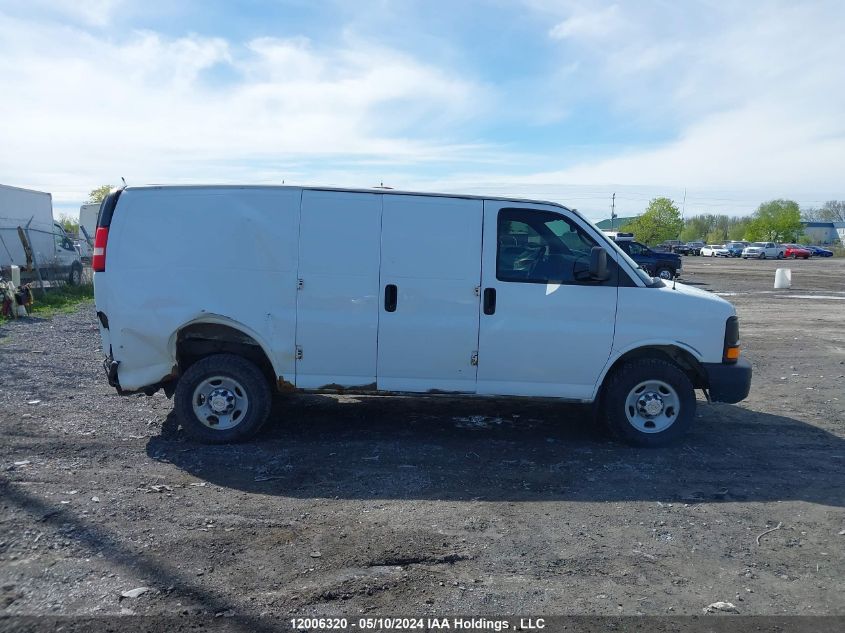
(783, 278)
(16, 275)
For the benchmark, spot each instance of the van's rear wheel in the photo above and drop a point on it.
(648, 402)
(222, 398)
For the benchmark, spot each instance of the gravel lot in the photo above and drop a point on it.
(403, 506)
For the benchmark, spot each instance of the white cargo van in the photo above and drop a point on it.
(50, 248)
(251, 290)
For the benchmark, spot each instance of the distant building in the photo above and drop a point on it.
(825, 232)
(618, 223)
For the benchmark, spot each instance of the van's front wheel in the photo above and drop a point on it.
(648, 402)
(75, 276)
(222, 398)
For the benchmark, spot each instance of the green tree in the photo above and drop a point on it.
(689, 233)
(776, 220)
(99, 193)
(738, 229)
(695, 228)
(70, 225)
(716, 237)
(661, 221)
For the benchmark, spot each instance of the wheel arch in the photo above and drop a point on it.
(683, 356)
(215, 334)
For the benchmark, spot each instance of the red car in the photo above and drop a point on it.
(793, 251)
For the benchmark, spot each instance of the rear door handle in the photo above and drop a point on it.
(489, 301)
(391, 295)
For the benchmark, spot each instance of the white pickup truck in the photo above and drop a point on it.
(764, 250)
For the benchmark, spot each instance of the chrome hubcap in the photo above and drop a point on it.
(652, 406)
(220, 402)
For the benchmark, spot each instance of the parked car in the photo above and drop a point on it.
(794, 251)
(763, 250)
(818, 251)
(735, 248)
(673, 246)
(694, 248)
(669, 245)
(663, 265)
(352, 291)
(715, 250)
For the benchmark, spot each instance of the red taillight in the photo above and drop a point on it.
(98, 261)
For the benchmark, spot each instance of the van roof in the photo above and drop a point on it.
(383, 190)
(43, 193)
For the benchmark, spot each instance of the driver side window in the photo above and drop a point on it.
(541, 247)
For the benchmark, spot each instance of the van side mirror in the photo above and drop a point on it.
(598, 263)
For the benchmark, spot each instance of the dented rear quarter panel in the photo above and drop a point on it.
(223, 255)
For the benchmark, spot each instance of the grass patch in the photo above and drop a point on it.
(60, 300)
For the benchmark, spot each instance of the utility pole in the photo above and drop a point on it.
(612, 210)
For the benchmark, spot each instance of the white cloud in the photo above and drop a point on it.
(89, 108)
(753, 91)
(90, 12)
(589, 24)
(745, 97)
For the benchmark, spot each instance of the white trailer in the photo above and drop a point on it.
(88, 219)
(51, 251)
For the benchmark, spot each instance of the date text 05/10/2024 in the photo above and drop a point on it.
(418, 624)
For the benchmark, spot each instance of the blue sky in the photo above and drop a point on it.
(569, 100)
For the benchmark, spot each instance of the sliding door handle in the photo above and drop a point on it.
(391, 295)
(489, 301)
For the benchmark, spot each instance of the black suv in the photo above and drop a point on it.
(663, 265)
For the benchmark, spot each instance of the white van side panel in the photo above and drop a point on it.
(337, 306)
(224, 255)
(431, 251)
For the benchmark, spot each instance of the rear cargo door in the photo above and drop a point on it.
(337, 300)
(428, 301)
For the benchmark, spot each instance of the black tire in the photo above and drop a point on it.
(668, 272)
(622, 383)
(230, 366)
(74, 278)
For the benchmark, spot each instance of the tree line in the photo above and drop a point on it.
(775, 221)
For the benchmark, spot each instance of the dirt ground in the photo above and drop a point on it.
(404, 506)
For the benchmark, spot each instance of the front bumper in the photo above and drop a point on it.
(728, 382)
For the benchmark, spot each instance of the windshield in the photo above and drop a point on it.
(758, 245)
